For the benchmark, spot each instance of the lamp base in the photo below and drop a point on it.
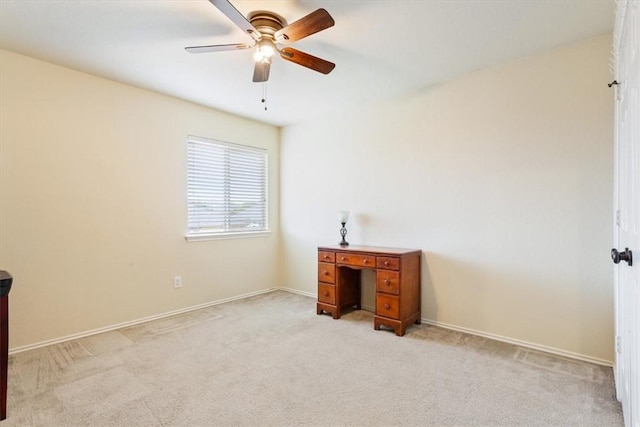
(343, 234)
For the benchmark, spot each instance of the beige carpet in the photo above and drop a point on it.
(270, 360)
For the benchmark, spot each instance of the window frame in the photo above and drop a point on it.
(210, 234)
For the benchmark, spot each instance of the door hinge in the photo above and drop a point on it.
(618, 344)
(618, 217)
(616, 87)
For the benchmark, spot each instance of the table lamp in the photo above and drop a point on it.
(343, 217)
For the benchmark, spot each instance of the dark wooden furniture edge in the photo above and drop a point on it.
(4, 350)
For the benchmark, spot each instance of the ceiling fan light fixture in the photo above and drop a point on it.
(264, 51)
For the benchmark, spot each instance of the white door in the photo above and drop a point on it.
(627, 236)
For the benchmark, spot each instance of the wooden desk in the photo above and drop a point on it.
(397, 283)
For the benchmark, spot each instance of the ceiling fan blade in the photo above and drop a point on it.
(306, 60)
(236, 17)
(216, 48)
(261, 71)
(305, 26)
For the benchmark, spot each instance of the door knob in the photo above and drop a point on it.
(627, 256)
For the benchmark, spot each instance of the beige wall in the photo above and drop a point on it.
(92, 203)
(503, 178)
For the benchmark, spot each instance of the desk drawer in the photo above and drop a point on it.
(388, 281)
(356, 260)
(324, 256)
(387, 306)
(326, 272)
(327, 293)
(388, 263)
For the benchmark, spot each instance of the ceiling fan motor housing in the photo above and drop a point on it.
(267, 23)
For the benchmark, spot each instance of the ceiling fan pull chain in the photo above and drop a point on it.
(264, 95)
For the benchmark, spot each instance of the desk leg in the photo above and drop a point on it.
(399, 326)
(333, 310)
(4, 351)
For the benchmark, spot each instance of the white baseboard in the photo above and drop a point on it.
(526, 344)
(296, 291)
(135, 322)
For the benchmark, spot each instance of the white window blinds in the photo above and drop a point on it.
(226, 188)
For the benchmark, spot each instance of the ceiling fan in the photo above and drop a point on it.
(270, 32)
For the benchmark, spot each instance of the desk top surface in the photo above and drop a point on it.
(369, 249)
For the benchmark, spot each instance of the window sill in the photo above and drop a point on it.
(225, 236)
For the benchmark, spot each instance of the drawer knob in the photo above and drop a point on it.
(343, 259)
(326, 273)
(386, 282)
(326, 294)
(387, 306)
(326, 257)
(365, 261)
(386, 263)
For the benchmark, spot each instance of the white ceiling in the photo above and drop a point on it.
(382, 49)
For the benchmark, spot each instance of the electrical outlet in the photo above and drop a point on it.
(177, 282)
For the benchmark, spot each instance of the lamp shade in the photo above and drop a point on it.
(343, 216)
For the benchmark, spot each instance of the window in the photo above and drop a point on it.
(226, 189)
